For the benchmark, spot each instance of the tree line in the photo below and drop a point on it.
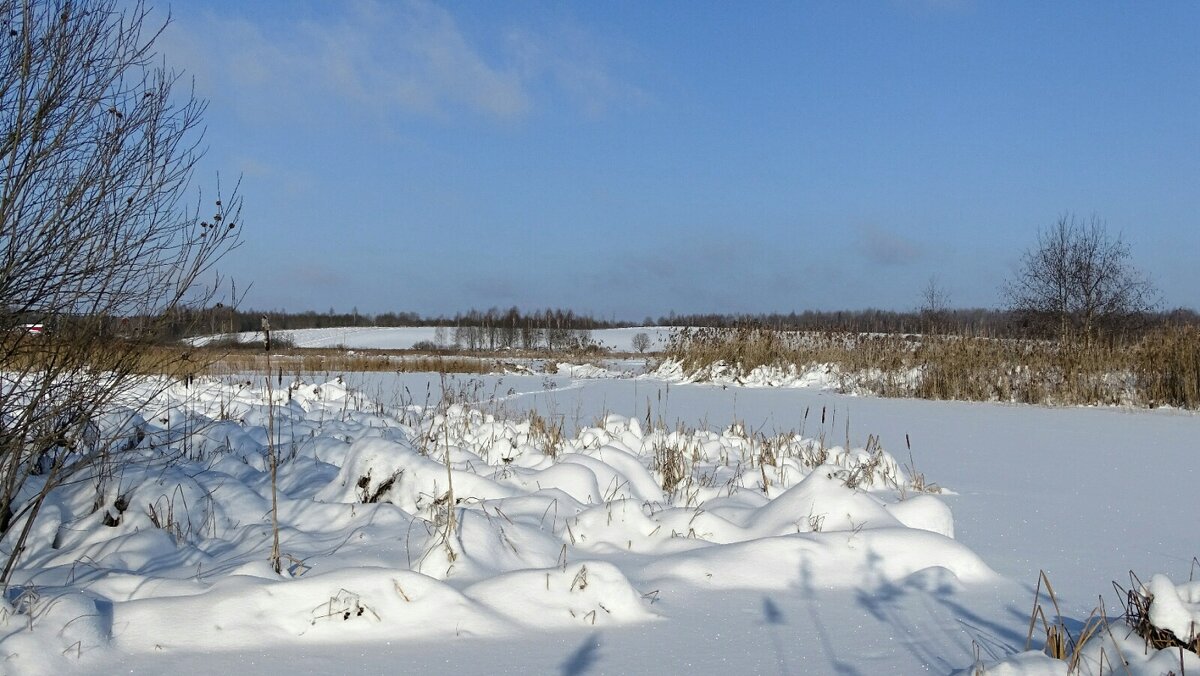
(220, 318)
(515, 328)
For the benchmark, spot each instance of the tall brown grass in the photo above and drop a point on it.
(1167, 365)
(1160, 368)
(293, 361)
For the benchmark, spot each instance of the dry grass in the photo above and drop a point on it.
(547, 432)
(1136, 602)
(671, 463)
(1058, 642)
(183, 361)
(1161, 368)
(117, 354)
(1167, 364)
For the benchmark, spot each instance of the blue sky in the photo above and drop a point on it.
(633, 158)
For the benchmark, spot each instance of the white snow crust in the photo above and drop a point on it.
(405, 337)
(469, 536)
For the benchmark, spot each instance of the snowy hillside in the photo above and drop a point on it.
(405, 337)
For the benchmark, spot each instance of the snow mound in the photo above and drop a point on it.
(592, 593)
(443, 521)
(588, 371)
(817, 376)
(865, 560)
(1175, 608)
(355, 604)
(820, 534)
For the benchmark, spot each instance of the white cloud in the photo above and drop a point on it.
(408, 57)
(570, 61)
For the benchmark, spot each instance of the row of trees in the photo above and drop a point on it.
(527, 336)
(224, 319)
(1077, 281)
(478, 330)
(457, 332)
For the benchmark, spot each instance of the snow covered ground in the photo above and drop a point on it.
(405, 337)
(637, 526)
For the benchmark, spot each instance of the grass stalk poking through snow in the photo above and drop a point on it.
(273, 455)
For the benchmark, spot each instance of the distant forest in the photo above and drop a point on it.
(976, 321)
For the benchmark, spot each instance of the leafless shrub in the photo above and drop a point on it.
(641, 342)
(935, 306)
(1078, 281)
(97, 153)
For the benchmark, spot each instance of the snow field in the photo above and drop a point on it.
(443, 521)
(405, 337)
(700, 545)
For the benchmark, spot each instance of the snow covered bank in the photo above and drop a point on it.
(1150, 370)
(406, 337)
(821, 376)
(709, 549)
(431, 523)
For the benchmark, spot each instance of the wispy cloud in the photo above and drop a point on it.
(290, 180)
(884, 247)
(568, 60)
(411, 57)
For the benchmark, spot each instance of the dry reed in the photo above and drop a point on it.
(1160, 368)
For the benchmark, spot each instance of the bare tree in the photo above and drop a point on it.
(531, 336)
(97, 154)
(935, 305)
(641, 342)
(1079, 281)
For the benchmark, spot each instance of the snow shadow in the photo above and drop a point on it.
(812, 602)
(774, 619)
(584, 658)
(931, 593)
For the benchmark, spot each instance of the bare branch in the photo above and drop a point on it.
(1079, 281)
(97, 151)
